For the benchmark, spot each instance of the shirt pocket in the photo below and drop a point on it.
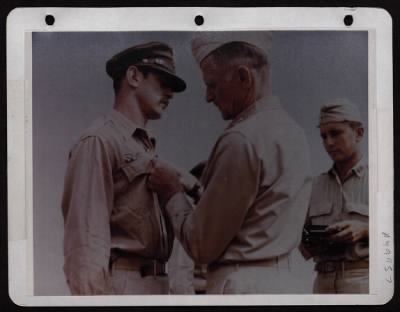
(321, 212)
(132, 166)
(358, 211)
(135, 165)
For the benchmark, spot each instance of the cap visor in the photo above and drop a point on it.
(174, 82)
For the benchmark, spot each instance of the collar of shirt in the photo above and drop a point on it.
(263, 104)
(129, 127)
(358, 169)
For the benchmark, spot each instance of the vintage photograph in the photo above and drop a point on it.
(197, 163)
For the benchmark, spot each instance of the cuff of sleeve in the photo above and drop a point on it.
(178, 209)
(175, 204)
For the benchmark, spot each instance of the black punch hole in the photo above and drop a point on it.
(199, 20)
(348, 20)
(50, 20)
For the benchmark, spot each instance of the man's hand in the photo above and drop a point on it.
(164, 179)
(348, 231)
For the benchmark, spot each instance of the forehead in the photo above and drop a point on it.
(330, 126)
(209, 64)
(211, 67)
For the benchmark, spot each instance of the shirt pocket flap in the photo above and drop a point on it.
(136, 165)
(320, 208)
(358, 208)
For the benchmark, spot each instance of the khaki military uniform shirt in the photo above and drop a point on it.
(257, 186)
(107, 205)
(333, 201)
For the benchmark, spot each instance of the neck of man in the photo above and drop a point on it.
(129, 107)
(258, 91)
(262, 90)
(343, 167)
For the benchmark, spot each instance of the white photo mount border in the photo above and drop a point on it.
(22, 22)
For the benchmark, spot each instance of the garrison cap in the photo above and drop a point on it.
(206, 43)
(154, 55)
(339, 110)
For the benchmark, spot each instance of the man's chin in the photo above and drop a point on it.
(337, 158)
(226, 116)
(156, 116)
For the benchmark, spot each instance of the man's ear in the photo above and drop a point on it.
(244, 75)
(133, 76)
(359, 133)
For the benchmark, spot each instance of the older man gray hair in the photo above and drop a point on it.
(257, 179)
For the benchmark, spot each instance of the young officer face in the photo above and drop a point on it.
(341, 141)
(153, 95)
(223, 88)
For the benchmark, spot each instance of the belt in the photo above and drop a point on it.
(146, 267)
(332, 266)
(256, 263)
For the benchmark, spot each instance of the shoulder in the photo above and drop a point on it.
(100, 128)
(105, 129)
(233, 147)
(273, 130)
(324, 176)
(275, 124)
(322, 179)
(101, 134)
(233, 139)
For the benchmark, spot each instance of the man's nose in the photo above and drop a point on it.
(329, 141)
(168, 93)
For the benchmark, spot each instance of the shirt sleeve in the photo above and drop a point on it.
(230, 186)
(86, 206)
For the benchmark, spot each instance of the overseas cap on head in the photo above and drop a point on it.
(154, 55)
(339, 110)
(206, 43)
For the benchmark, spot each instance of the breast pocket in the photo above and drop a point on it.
(130, 181)
(136, 165)
(357, 211)
(132, 167)
(321, 212)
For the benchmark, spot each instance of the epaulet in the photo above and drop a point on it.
(98, 128)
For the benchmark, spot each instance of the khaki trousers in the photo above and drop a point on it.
(355, 281)
(126, 282)
(236, 279)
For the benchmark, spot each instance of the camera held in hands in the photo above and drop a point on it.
(316, 237)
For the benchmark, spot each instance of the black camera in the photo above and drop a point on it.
(316, 237)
